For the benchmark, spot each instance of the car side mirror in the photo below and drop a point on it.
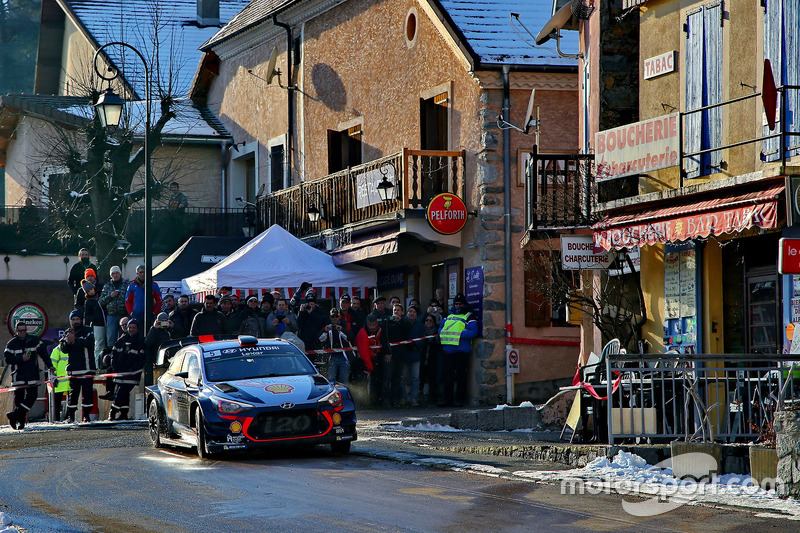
(182, 375)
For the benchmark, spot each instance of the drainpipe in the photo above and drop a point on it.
(289, 92)
(507, 226)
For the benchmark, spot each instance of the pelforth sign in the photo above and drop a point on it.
(447, 213)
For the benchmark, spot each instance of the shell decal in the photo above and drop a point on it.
(279, 388)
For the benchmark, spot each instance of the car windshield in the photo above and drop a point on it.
(232, 364)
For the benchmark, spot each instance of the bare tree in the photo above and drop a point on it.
(615, 301)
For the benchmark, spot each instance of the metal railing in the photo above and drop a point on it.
(560, 188)
(349, 196)
(730, 397)
(32, 230)
(785, 145)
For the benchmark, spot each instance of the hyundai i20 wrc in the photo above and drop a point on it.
(247, 393)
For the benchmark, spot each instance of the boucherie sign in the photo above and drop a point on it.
(447, 213)
(637, 148)
(669, 230)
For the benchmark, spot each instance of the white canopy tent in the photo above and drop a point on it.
(277, 260)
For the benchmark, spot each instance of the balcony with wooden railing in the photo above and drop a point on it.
(350, 197)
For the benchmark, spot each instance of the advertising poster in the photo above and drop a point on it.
(473, 281)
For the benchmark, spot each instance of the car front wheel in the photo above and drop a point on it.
(202, 445)
(155, 423)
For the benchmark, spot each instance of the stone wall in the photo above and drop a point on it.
(787, 432)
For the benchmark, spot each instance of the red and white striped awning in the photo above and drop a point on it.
(726, 213)
(287, 292)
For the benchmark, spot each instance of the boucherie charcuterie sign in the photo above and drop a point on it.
(447, 213)
(637, 148)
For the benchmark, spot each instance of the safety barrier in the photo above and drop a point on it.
(730, 397)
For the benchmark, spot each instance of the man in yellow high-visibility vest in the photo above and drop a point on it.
(61, 386)
(456, 333)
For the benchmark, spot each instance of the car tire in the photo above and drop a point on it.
(156, 423)
(341, 447)
(202, 448)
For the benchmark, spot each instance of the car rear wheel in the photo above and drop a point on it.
(155, 423)
(341, 447)
(202, 448)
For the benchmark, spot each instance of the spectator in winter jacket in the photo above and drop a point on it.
(182, 318)
(78, 344)
(281, 319)
(209, 321)
(431, 367)
(232, 319)
(333, 337)
(22, 354)
(412, 358)
(251, 321)
(372, 346)
(380, 312)
(300, 297)
(128, 357)
(112, 298)
(80, 297)
(351, 320)
(158, 335)
(134, 299)
(76, 273)
(168, 304)
(311, 320)
(397, 330)
(95, 318)
(267, 305)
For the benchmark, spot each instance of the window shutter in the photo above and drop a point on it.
(713, 86)
(791, 23)
(694, 91)
(334, 151)
(537, 305)
(773, 23)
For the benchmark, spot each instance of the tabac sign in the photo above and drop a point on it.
(447, 214)
(637, 148)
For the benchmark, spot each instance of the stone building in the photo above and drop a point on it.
(410, 92)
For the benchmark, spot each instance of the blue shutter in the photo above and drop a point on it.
(773, 31)
(694, 91)
(712, 88)
(791, 70)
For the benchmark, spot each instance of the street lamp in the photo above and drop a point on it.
(314, 214)
(386, 187)
(109, 112)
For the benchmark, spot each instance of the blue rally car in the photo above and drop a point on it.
(245, 393)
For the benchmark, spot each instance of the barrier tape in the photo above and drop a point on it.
(84, 376)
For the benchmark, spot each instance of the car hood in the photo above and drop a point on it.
(277, 390)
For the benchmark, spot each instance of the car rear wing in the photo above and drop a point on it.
(169, 348)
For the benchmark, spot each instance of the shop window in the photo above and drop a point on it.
(344, 148)
(544, 303)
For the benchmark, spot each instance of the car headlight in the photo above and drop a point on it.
(333, 398)
(228, 406)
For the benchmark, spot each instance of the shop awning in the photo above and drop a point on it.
(375, 247)
(725, 213)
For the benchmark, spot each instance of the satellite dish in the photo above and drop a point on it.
(271, 70)
(529, 113)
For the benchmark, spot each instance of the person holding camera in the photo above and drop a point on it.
(22, 353)
(300, 297)
(311, 321)
(334, 337)
(281, 319)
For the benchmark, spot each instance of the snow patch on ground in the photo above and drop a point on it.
(628, 473)
(50, 426)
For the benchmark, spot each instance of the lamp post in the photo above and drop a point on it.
(109, 111)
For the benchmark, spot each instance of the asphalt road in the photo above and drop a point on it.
(111, 480)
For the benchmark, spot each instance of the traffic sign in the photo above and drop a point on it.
(512, 360)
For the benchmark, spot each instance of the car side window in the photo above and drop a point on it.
(193, 368)
(176, 363)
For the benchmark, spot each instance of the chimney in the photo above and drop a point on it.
(208, 12)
